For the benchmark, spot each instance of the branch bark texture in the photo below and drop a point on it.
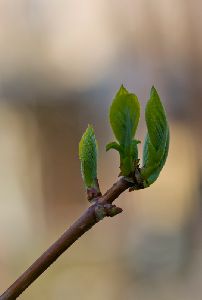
(102, 207)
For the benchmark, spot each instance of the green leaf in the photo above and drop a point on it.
(88, 157)
(129, 159)
(113, 145)
(151, 173)
(156, 120)
(134, 150)
(157, 139)
(124, 116)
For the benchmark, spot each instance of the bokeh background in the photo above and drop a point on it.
(61, 62)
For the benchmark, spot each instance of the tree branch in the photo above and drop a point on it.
(97, 211)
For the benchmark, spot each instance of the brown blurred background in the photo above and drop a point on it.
(61, 62)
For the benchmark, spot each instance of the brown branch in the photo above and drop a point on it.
(101, 208)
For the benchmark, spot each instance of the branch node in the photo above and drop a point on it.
(112, 210)
(106, 210)
(136, 180)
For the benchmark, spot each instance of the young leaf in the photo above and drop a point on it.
(124, 117)
(113, 145)
(88, 158)
(151, 173)
(157, 139)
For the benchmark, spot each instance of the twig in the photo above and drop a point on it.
(97, 211)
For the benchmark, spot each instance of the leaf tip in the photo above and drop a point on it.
(122, 90)
(90, 128)
(153, 92)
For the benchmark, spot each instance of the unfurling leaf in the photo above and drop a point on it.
(157, 139)
(113, 145)
(124, 117)
(88, 158)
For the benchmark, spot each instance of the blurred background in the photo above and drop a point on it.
(61, 63)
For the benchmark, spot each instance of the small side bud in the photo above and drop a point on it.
(88, 156)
